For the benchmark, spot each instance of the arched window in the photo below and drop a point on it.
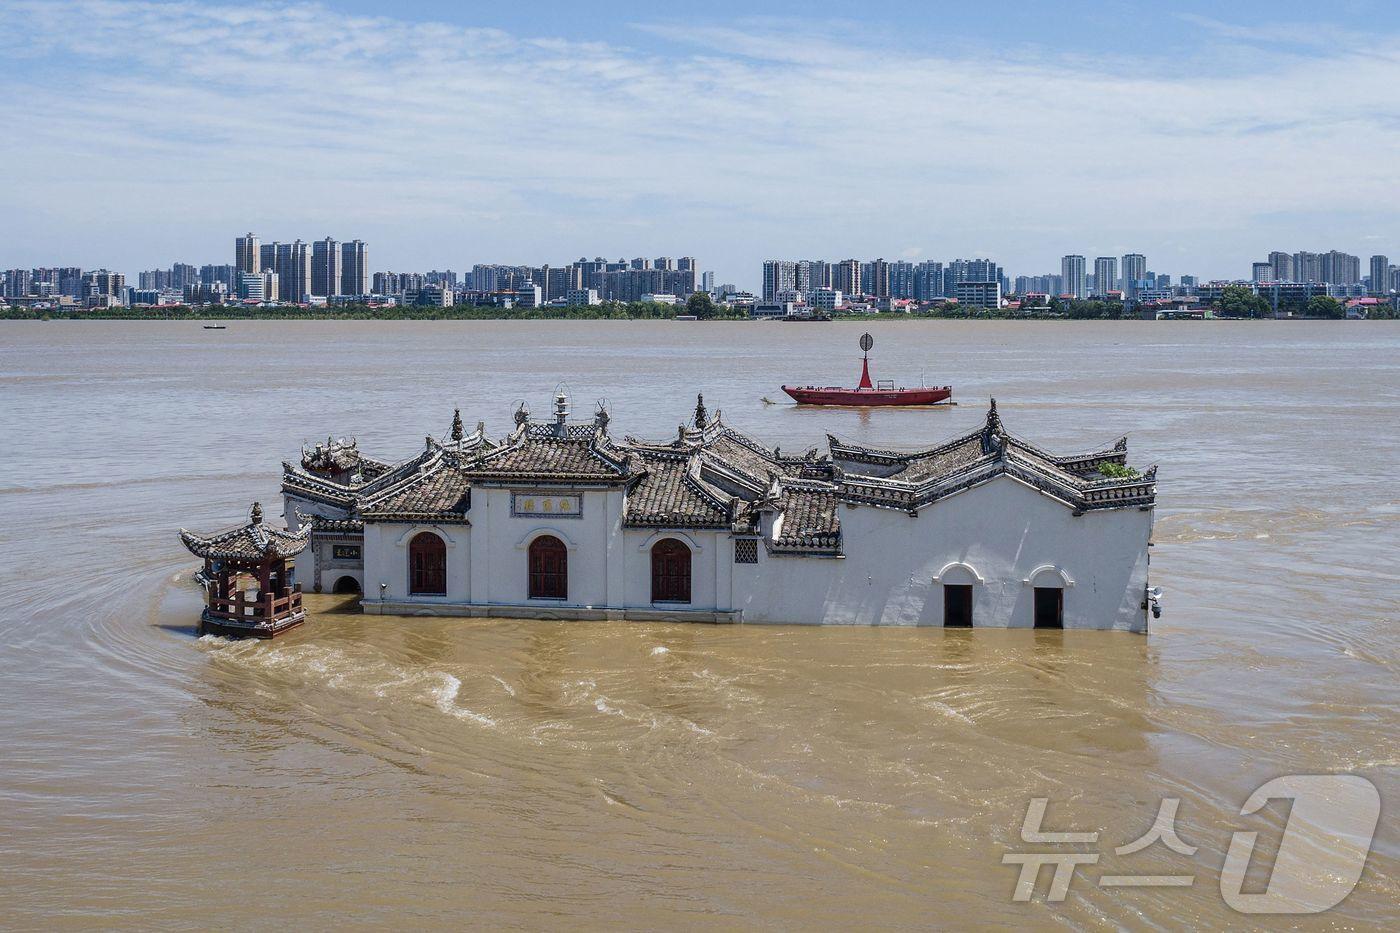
(670, 571)
(427, 565)
(549, 568)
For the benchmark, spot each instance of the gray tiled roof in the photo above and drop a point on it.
(671, 493)
(441, 494)
(810, 522)
(529, 456)
(253, 541)
(943, 460)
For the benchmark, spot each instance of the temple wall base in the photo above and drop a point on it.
(390, 607)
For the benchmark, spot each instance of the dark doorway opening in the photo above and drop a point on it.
(1049, 607)
(957, 605)
(346, 586)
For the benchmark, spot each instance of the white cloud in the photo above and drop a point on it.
(153, 131)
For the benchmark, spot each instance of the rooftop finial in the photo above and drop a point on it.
(255, 513)
(522, 413)
(993, 432)
(457, 431)
(702, 417)
(561, 407)
(601, 416)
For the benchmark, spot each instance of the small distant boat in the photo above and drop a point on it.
(882, 393)
(216, 327)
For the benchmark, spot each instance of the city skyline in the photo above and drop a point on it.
(328, 271)
(710, 134)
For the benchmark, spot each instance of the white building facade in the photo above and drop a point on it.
(559, 520)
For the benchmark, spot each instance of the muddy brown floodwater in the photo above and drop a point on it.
(443, 772)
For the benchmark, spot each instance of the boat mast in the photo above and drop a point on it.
(866, 342)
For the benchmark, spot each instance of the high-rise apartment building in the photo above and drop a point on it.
(354, 271)
(293, 270)
(102, 288)
(880, 278)
(247, 256)
(325, 268)
(845, 277)
(1282, 264)
(1134, 275)
(17, 282)
(968, 270)
(928, 281)
(1340, 268)
(779, 275)
(1307, 267)
(219, 272)
(1262, 272)
(1380, 275)
(1072, 271)
(1105, 275)
(901, 279)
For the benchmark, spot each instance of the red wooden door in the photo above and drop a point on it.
(427, 565)
(670, 572)
(549, 568)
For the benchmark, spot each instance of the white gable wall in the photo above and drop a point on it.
(1003, 530)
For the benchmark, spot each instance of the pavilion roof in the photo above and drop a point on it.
(253, 541)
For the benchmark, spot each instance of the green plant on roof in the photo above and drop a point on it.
(1118, 471)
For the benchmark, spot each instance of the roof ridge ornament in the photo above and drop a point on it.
(993, 433)
(702, 417)
(457, 430)
(561, 411)
(255, 514)
(522, 414)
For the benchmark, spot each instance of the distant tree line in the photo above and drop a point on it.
(700, 305)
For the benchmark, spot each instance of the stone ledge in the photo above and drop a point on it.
(393, 607)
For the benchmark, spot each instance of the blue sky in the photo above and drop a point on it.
(446, 133)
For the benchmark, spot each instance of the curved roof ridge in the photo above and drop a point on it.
(833, 442)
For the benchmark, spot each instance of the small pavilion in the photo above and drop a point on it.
(250, 553)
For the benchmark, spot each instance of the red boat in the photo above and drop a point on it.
(868, 393)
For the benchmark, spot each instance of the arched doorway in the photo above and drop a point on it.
(670, 571)
(1048, 584)
(346, 586)
(549, 568)
(427, 565)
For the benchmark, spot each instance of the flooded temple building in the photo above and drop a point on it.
(561, 520)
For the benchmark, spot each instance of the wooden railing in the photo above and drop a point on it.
(266, 607)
